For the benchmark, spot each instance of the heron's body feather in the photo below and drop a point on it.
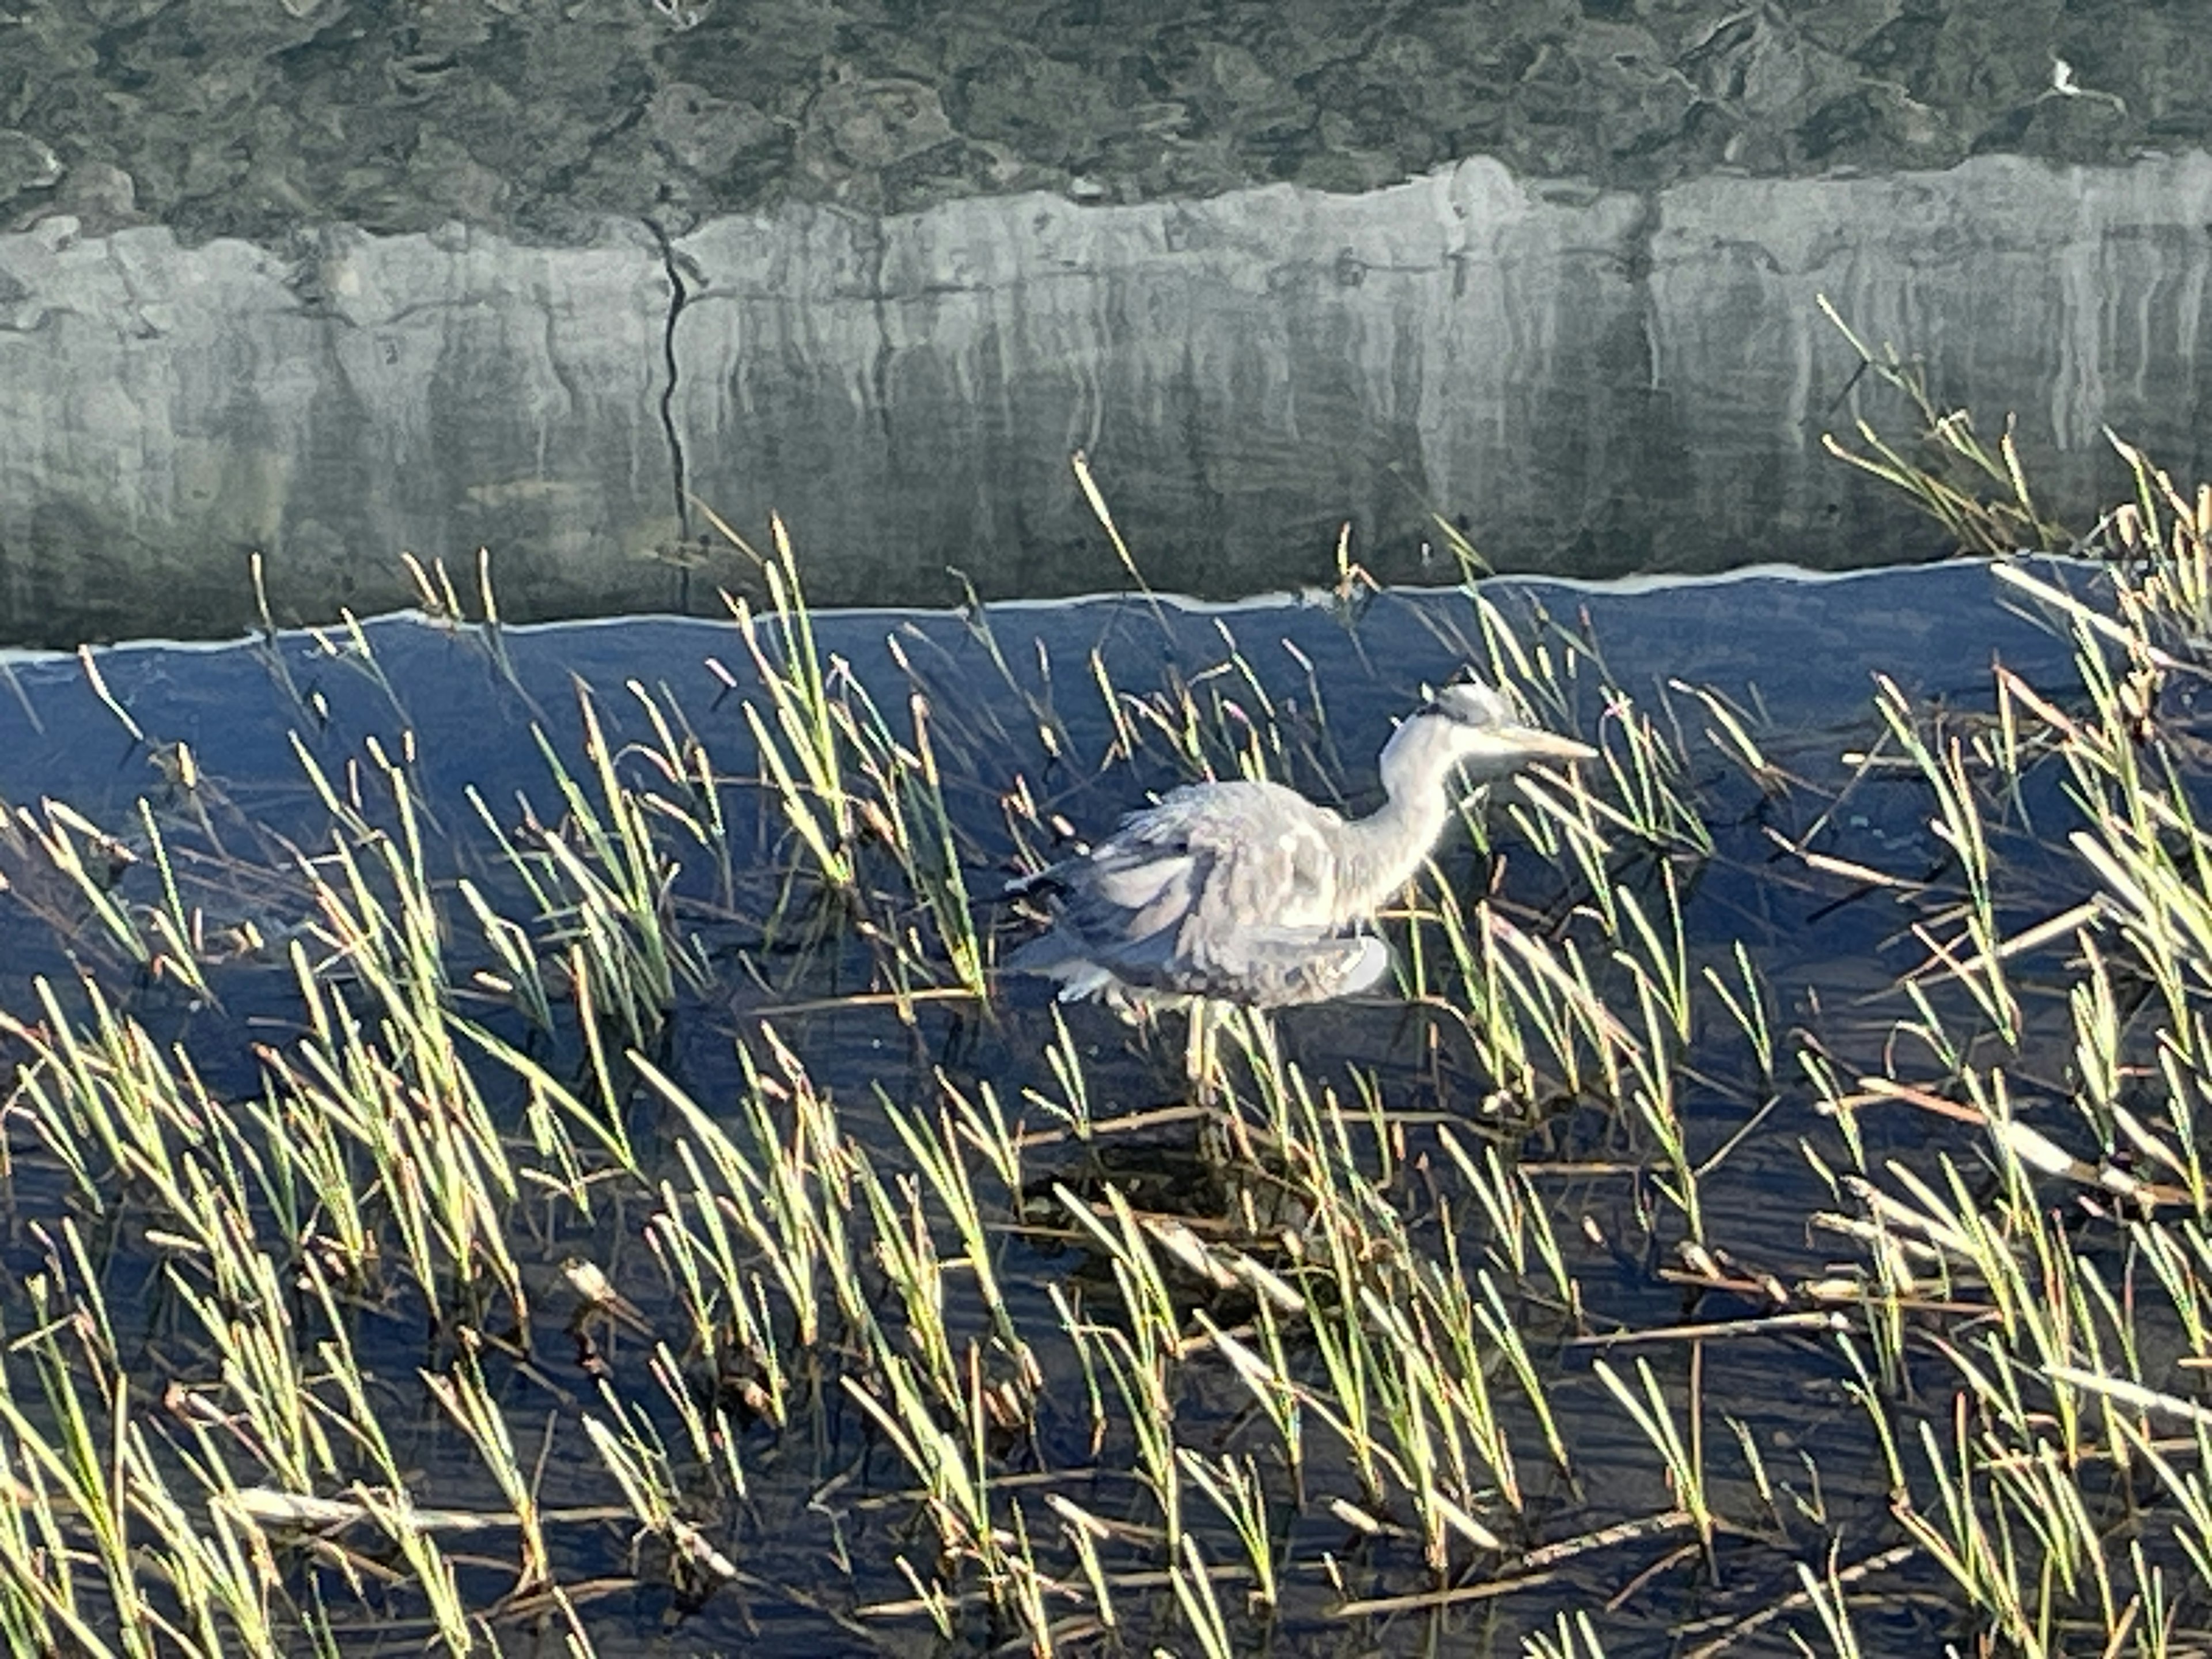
(1223, 890)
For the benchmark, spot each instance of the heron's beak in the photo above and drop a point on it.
(1533, 743)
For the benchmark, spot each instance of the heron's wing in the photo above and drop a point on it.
(1275, 966)
(1216, 884)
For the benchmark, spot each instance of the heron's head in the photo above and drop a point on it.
(1475, 728)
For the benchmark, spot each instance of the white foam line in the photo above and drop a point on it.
(1286, 599)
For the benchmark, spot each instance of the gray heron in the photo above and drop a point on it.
(1248, 893)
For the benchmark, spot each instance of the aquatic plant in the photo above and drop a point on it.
(630, 1195)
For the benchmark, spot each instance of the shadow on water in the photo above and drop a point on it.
(753, 1401)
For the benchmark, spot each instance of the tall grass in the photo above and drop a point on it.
(578, 1223)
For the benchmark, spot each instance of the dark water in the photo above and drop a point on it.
(1799, 654)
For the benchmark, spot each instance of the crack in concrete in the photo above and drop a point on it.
(1639, 260)
(680, 296)
(877, 249)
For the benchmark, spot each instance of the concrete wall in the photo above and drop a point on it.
(1595, 382)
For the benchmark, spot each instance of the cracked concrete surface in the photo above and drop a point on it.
(1584, 380)
(782, 257)
(679, 293)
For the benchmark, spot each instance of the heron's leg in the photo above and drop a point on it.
(1198, 1054)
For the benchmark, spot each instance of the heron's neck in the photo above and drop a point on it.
(1384, 850)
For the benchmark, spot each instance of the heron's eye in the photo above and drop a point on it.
(1464, 706)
